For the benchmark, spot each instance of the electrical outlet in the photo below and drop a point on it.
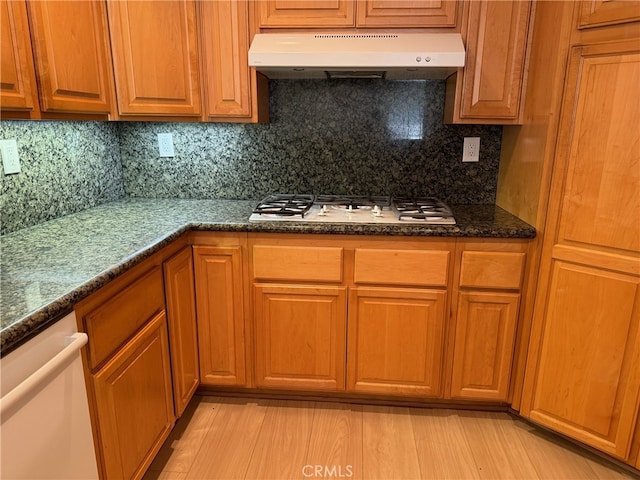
(165, 145)
(471, 149)
(10, 156)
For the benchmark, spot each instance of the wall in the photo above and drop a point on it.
(338, 137)
(66, 167)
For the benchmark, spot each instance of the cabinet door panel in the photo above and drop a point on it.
(485, 332)
(220, 312)
(396, 341)
(582, 371)
(594, 13)
(406, 13)
(71, 47)
(17, 77)
(300, 337)
(587, 384)
(155, 56)
(602, 194)
(134, 402)
(181, 313)
(496, 42)
(225, 33)
(306, 13)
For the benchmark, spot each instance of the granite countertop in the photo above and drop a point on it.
(48, 268)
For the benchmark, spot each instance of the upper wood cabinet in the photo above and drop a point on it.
(582, 369)
(305, 13)
(356, 13)
(73, 61)
(225, 42)
(155, 55)
(406, 13)
(17, 76)
(595, 13)
(489, 88)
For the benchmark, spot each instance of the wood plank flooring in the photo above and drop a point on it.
(228, 438)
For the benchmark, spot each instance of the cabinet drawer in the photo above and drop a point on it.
(401, 267)
(316, 264)
(492, 269)
(111, 323)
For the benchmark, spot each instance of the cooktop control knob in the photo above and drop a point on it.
(323, 211)
(376, 211)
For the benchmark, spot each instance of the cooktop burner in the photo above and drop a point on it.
(352, 209)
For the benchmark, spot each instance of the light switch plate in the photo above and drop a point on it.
(10, 156)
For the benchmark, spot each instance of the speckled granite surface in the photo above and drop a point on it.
(356, 137)
(47, 268)
(66, 167)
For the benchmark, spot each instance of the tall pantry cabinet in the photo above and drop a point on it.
(583, 369)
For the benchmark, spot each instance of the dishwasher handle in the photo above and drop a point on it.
(78, 340)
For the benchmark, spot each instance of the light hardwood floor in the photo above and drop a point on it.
(228, 438)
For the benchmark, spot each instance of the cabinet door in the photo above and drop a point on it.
(225, 34)
(134, 402)
(17, 77)
(396, 341)
(220, 312)
(155, 56)
(306, 13)
(582, 371)
(300, 337)
(496, 41)
(406, 13)
(70, 42)
(183, 337)
(594, 13)
(485, 332)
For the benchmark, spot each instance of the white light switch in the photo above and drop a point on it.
(165, 145)
(10, 156)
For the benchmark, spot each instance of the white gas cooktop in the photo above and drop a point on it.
(352, 209)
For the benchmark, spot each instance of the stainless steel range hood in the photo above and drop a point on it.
(357, 55)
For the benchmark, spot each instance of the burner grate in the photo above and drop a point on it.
(421, 208)
(285, 205)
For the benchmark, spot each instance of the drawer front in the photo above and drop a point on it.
(401, 267)
(111, 323)
(315, 264)
(492, 269)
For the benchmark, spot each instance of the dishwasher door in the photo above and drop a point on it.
(45, 429)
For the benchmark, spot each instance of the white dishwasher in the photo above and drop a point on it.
(45, 430)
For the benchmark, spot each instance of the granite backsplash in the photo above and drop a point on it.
(66, 167)
(353, 137)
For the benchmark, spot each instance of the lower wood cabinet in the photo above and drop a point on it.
(133, 399)
(128, 369)
(220, 312)
(483, 347)
(183, 336)
(396, 341)
(486, 305)
(300, 336)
